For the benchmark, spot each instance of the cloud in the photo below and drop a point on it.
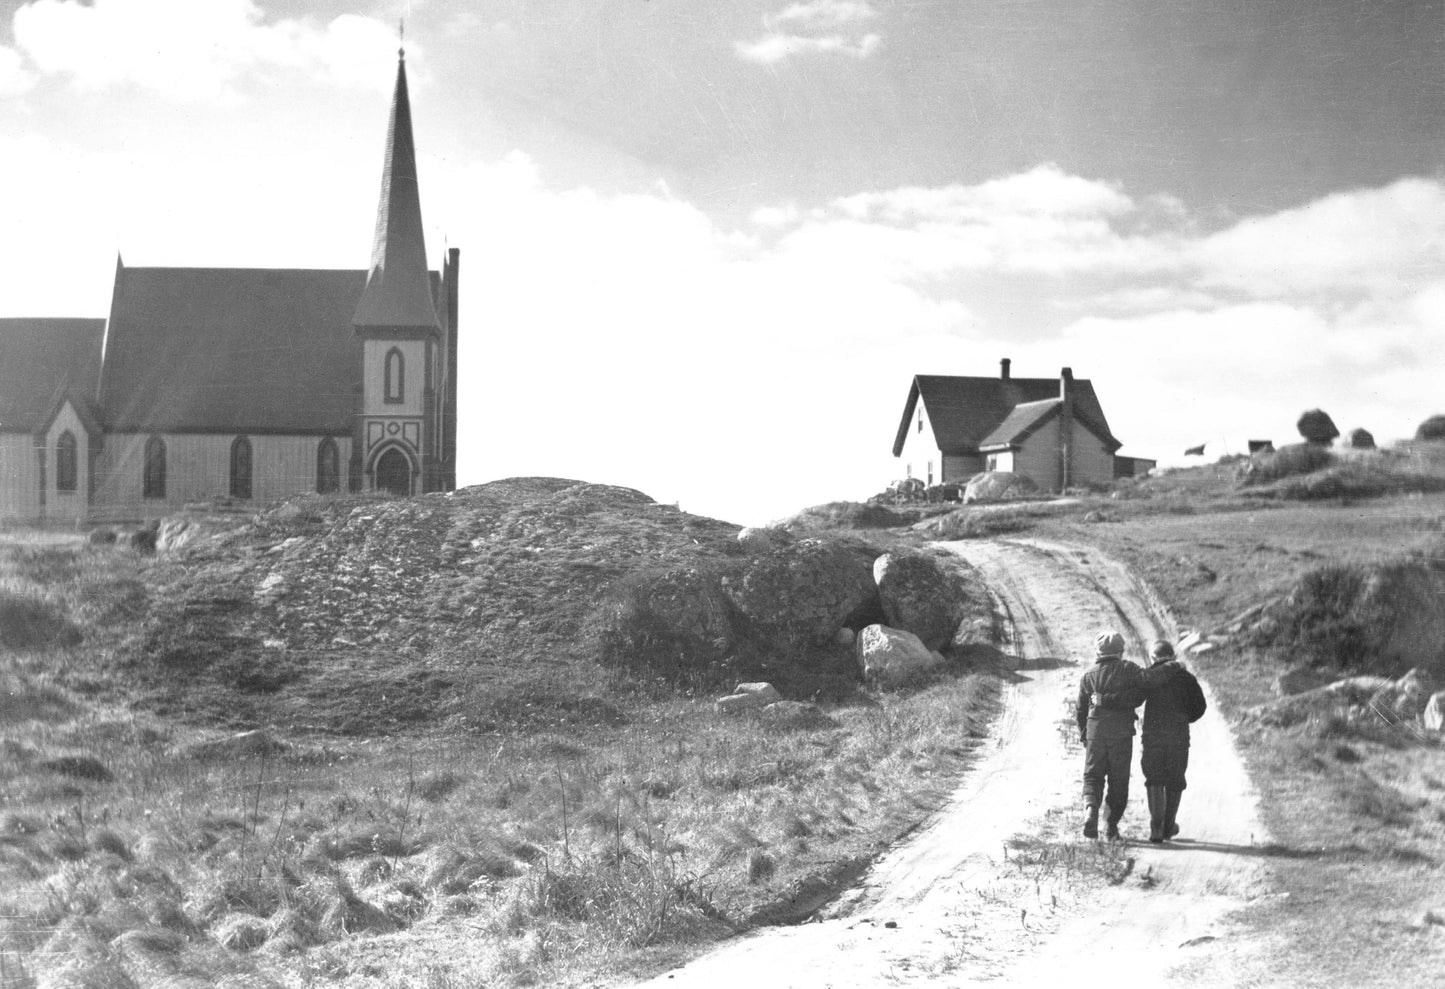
(15, 79)
(1363, 240)
(813, 27)
(192, 52)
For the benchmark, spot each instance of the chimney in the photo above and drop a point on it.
(1003, 368)
(1066, 428)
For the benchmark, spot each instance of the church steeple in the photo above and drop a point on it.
(398, 287)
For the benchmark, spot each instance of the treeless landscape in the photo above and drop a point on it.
(471, 739)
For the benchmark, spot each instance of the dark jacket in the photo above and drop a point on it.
(1121, 685)
(1174, 700)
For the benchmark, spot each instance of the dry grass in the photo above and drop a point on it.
(132, 855)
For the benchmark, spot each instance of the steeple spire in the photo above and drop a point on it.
(398, 286)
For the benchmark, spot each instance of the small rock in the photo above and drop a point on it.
(845, 636)
(765, 692)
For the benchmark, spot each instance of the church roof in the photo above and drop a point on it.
(397, 288)
(41, 361)
(231, 350)
(966, 412)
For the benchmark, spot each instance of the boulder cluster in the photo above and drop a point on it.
(1413, 701)
(809, 587)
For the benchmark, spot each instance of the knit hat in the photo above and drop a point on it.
(1109, 644)
(1161, 650)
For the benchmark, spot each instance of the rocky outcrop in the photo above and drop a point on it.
(890, 655)
(1317, 427)
(1361, 439)
(1432, 428)
(804, 592)
(919, 596)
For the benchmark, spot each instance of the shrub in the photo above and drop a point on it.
(1288, 461)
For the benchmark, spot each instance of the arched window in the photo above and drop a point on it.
(67, 466)
(395, 375)
(328, 467)
(154, 482)
(240, 467)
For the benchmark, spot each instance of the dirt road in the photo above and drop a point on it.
(994, 890)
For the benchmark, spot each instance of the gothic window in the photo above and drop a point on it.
(394, 373)
(240, 467)
(154, 481)
(67, 472)
(328, 467)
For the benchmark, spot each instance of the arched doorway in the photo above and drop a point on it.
(393, 473)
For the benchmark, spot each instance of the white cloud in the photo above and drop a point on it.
(1377, 240)
(813, 27)
(15, 78)
(775, 47)
(192, 51)
(820, 15)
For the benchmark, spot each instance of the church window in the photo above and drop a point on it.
(66, 463)
(328, 467)
(394, 373)
(154, 481)
(240, 467)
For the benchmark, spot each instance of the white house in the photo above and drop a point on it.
(1051, 430)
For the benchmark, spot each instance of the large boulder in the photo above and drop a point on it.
(804, 592)
(889, 655)
(1317, 427)
(996, 485)
(1361, 439)
(755, 541)
(919, 596)
(1432, 428)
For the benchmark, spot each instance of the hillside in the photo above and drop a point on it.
(356, 614)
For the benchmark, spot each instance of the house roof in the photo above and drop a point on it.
(397, 290)
(1021, 423)
(966, 412)
(41, 361)
(231, 350)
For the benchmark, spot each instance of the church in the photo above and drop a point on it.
(244, 384)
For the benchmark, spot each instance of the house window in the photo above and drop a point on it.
(328, 467)
(240, 467)
(992, 462)
(67, 468)
(920, 420)
(930, 473)
(153, 484)
(394, 373)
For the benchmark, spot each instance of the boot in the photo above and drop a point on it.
(1157, 810)
(1171, 809)
(1112, 831)
(1091, 823)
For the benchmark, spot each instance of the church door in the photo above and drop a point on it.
(393, 473)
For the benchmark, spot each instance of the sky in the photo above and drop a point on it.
(706, 246)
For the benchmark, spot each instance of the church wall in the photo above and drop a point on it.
(19, 478)
(413, 354)
(198, 468)
(67, 506)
